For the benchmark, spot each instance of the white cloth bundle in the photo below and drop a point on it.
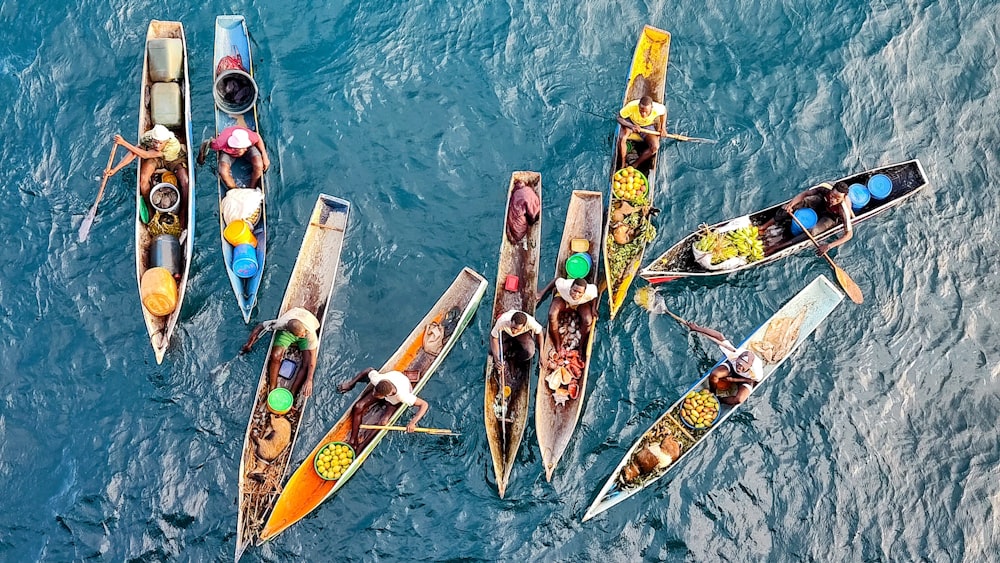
(241, 203)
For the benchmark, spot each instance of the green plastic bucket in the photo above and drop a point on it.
(578, 265)
(279, 401)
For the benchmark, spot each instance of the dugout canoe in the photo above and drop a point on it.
(678, 261)
(169, 98)
(773, 342)
(305, 490)
(233, 41)
(647, 77)
(310, 287)
(557, 410)
(506, 413)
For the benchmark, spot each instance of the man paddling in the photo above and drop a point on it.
(521, 334)
(831, 206)
(296, 327)
(741, 367)
(158, 149)
(641, 120)
(393, 387)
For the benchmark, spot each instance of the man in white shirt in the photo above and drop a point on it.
(393, 387)
(519, 329)
(571, 295)
(297, 326)
(741, 367)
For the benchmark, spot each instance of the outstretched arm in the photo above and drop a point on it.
(348, 385)
(545, 291)
(140, 152)
(714, 335)
(254, 335)
(422, 407)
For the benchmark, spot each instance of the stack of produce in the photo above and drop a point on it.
(629, 184)
(743, 242)
(333, 459)
(700, 409)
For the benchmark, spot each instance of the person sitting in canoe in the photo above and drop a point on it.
(392, 387)
(233, 143)
(297, 326)
(831, 206)
(645, 120)
(571, 295)
(521, 334)
(523, 211)
(741, 367)
(158, 148)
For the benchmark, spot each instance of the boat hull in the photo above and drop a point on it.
(556, 421)
(232, 38)
(305, 490)
(310, 287)
(677, 262)
(809, 308)
(647, 77)
(160, 329)
(504, 433)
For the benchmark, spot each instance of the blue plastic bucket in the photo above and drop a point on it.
(245, 260)
(807, 217)
(880, 186)
(578, 265)
(858, 195)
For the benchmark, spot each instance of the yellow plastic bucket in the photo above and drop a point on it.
(240, 232)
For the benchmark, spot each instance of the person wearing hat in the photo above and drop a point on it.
(238, 142)
(296, 326)
(393, 387)
(571, 295)
(741, 367)
(158, 148)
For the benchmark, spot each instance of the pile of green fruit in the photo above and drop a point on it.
(333, 460)
(747, 242)
(743, 242)
(700, 409)
(629, 184)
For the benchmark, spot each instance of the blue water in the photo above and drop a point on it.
(875, 442)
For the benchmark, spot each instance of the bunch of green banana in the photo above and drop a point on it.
(707, 242)
(724, 253)
(747, 243)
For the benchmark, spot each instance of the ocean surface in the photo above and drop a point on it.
(876, 441)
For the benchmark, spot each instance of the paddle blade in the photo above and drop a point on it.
(87, 222)
(851, 288)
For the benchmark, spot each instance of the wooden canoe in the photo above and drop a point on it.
(790, 326)
(310, 287)
(504, 432)
(160, 329)
(558, 410)
(305, 489)
(232, 39)
(678, 261)
(647, 77)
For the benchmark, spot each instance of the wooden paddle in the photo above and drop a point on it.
(89, 219)
(851, 288)
(673, 136)
(435, 431)
(677, 137)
